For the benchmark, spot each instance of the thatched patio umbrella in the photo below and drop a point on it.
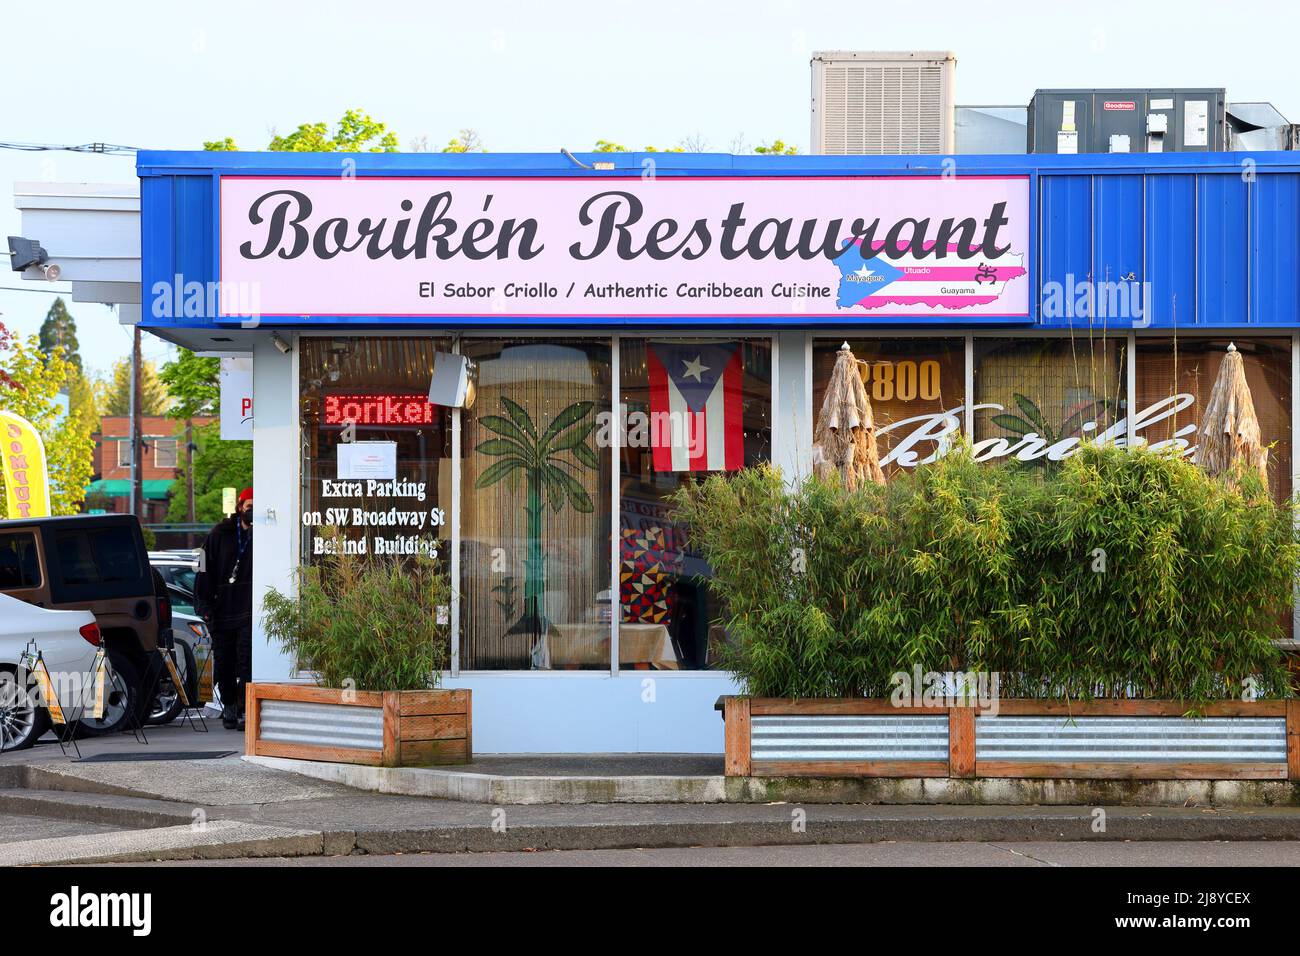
(844, 440)
(1229, 427)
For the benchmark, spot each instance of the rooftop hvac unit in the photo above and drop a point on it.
(1127, 120)
(882, 103)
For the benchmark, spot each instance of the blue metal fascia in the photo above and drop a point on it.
(1215, 237)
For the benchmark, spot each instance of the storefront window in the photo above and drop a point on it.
(1037, 399)
(376, 455)
(535, 506)
(917, 392)
(1174, 379)
(691, 407)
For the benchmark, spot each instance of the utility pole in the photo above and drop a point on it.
(137, 392)
(189, 474)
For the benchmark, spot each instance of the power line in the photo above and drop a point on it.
(12, 288)
(107, 149)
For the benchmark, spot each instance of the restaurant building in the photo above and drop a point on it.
(633, 322)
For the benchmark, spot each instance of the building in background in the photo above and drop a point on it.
(163, 455)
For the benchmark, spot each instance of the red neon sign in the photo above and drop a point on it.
(400, 410)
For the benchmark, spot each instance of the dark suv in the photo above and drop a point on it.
(97, 563)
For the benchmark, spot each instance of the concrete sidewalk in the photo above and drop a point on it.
(205, 809)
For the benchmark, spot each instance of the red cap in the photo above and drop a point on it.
(246, 495)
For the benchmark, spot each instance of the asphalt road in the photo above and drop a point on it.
(873, 854)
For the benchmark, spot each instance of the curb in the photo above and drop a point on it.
(1016, 792)
(134, 813)
(466, 787)
(449, 784)
(1073, 827)
(739, 825)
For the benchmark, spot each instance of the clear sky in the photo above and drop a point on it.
(544, 75)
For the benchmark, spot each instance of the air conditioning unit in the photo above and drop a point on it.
(883, 103)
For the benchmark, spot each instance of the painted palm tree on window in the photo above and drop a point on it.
(550, 459)
(1031, 421)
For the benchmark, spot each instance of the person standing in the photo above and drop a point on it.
(223, 597)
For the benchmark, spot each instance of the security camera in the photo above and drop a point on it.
(281, 344)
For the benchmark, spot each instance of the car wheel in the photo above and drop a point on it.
(121, 699)
(22, 720)
(167, 704)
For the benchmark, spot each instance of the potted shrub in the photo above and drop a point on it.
(374, 632)
(1115, 615)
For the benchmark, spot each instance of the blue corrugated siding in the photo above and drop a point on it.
(1117, 228)
(1063, 216)
(1275, 249)
(1170, 249)
(1222, 266)
(1215, 237)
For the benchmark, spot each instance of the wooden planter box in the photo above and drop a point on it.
(1118, 739)
(394, 728)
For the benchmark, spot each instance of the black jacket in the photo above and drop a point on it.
(222, 604)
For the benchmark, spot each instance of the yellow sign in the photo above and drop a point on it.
(22, 461)
(97, 705)
(229, 500)
(45, 688)
(175, 676)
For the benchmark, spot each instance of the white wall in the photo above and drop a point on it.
(591, 712)
(275, 488)
(792, 425)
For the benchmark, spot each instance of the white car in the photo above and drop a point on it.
(68, 642)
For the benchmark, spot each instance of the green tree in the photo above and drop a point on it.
(192, 384)
(60, 330)
(356, 132)
(606, 146)
(467, 141)
(34, 378)
(217, 464)
(776, 148)
(114, 395)
(194, 388)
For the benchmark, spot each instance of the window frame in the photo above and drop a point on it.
(159, 444)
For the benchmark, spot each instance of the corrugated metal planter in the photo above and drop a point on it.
(1119, 739)
(393, 728)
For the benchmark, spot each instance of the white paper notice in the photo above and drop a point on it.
(1196, 125)
(368, 459)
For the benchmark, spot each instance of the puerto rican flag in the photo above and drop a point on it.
(947, 283)
(696, 406)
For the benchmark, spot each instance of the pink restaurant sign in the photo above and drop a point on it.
(781, 247)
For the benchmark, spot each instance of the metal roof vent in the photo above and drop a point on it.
(883, 103)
